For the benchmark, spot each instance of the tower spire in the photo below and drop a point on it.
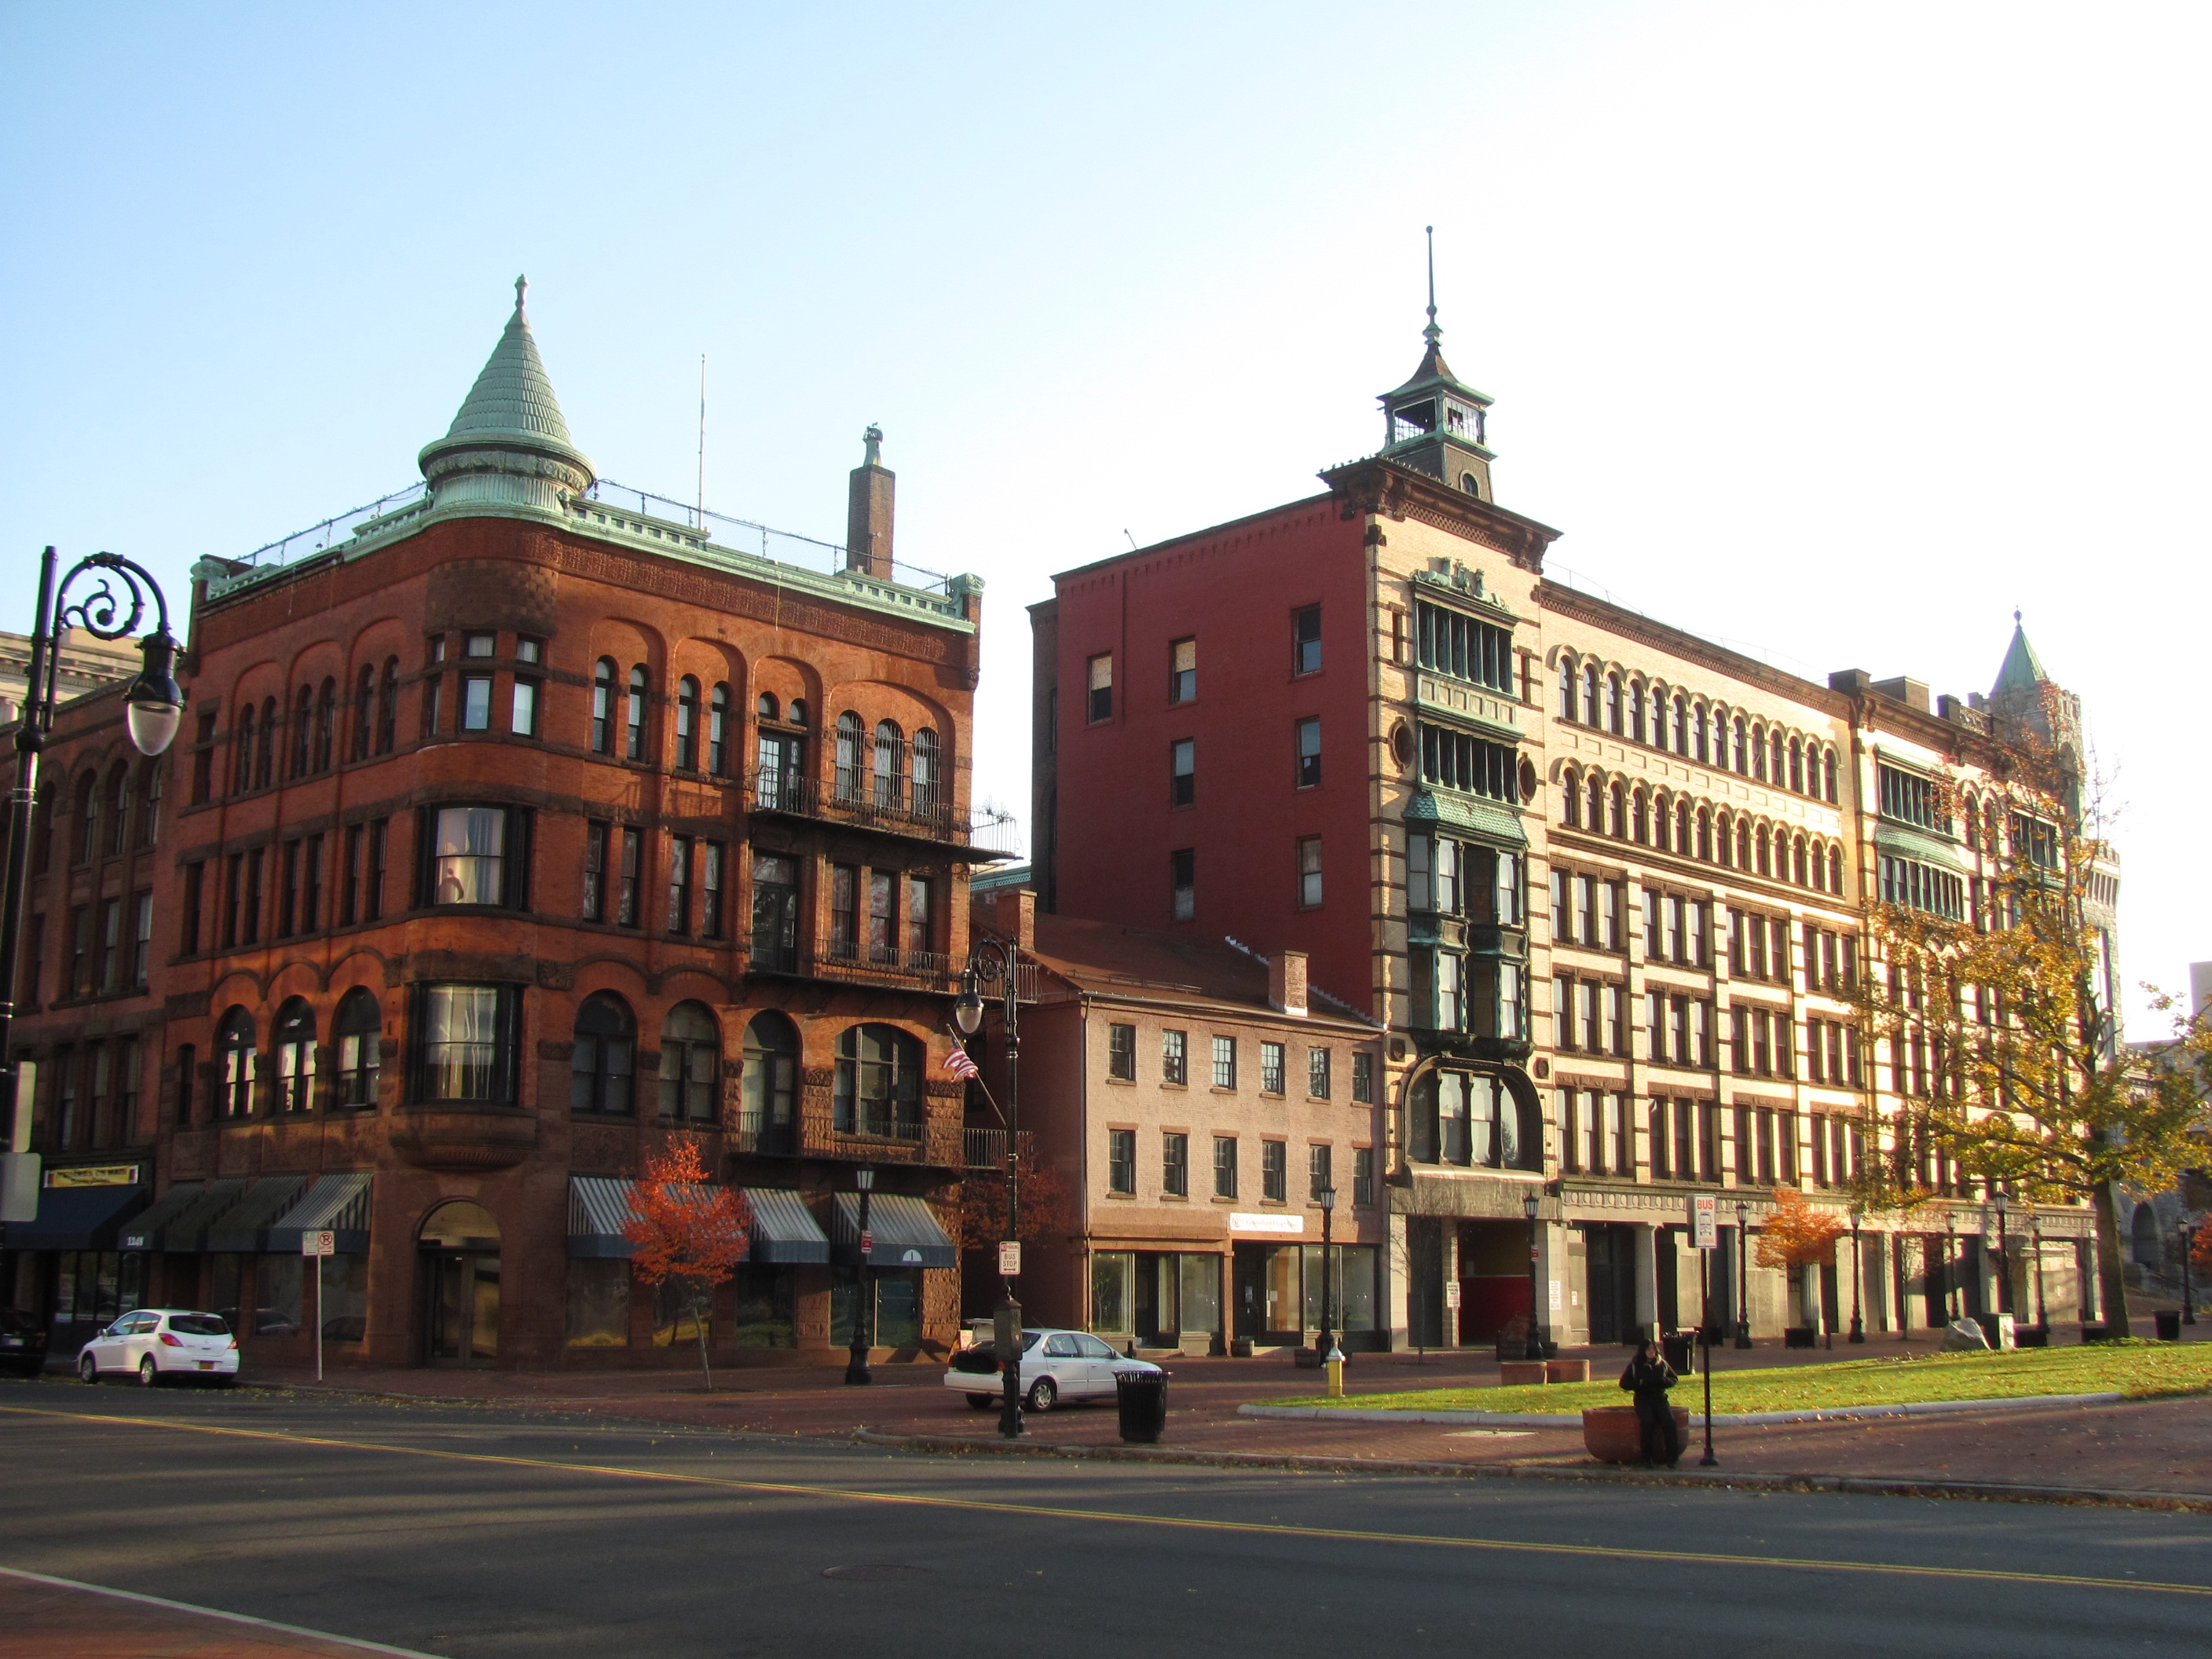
(508, 447)
(1433, 333)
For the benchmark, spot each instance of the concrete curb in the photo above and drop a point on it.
(1572, 1419)
(1598, 1474)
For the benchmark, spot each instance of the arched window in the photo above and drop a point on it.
(1636, 711)
(1725, 839)
(358, 1036)
(1570, 800)
(922, 767)
(1639, 821)
(326, 716)
(1828, 770)
(879, 1089)
(1759, 753)
(88, 819)
(149, 797)
(1796, 766)
(1742, 845)
(364, 711)
(765, 709)
(234, 1064)
(293, 1041)
(264, 754)
(1681, 727)
(303, 729)
(686, 725)
(387, 707)
(1797, 861)
(1762, 851)
(119, 809)
(1617, 819)
(889, 781)
(1742, 748)
(852, 739)
(798, 714)
(770, 1120)
(1704, 836)
(241, 752)
(718, 730)
(690, 1063)
(603, 707)
(605, 1055)
(1566, 688)
(1682, 842)
(1662, 824)
(1836, 869)
(1612, 721)
(633, 716)
(1774, 772)
(1596, 814)
(1589, 694)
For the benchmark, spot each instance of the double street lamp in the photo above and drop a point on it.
(992, 965)
(1858, 1281)
(1742, 1274)
(1326, 1198)
(1529, 1205)
(152, 708)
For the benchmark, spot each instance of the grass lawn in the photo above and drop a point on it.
(2139, 1369)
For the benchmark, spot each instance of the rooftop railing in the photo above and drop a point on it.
(744, 536)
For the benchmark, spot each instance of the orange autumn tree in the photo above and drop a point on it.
(1798, 1236)
(1047, 1207)
(685, 1232)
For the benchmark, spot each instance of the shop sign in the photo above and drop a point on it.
(1279, 1225)
(94, 1174)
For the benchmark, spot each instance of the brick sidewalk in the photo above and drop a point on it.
(2153, 1446)
(66, 1621)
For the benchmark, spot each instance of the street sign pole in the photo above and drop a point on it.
(1705, 1234)
(318, 1245)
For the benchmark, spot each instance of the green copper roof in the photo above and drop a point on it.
(2023, 669)
(513, 398)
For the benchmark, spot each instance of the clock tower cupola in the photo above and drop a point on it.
(1435, 423)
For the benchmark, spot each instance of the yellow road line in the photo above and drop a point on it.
(1053, 1512)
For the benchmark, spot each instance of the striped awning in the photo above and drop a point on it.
(904, 1230)
(598, 1207)
(187, 1231)
(145, 1227)
(335, 1204)
(784, 1230)
(244, 1226)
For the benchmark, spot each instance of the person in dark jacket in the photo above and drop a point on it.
(1648, 1377)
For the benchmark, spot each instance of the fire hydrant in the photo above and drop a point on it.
(1334, 1365)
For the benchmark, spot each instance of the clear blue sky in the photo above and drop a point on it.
(1841, 330)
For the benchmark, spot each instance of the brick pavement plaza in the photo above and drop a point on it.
(2161, 1446)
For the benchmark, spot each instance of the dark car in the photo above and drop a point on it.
(22, 1343)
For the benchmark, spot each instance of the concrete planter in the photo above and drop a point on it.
(1612, 1434)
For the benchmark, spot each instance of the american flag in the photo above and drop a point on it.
(956, 1064)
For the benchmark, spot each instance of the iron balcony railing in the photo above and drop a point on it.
(987, 1148)
(849, 959)
(862, 801)
(897, 1137)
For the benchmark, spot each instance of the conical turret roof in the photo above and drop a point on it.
(511, 425)
(2022, 669)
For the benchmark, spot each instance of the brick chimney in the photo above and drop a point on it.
(868, 512)
(1008, 914)
(1286, 981)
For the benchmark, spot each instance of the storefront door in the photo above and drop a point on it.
(459, 1250)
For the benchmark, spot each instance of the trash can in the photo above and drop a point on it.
(2168, 1321)
(1143, 1399)
(1679, 1350)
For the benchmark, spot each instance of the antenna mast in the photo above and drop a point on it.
(703, 441)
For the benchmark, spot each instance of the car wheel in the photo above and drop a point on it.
(981, 1402)
(1042, 1393)
(148, 1372)
(88, 1368)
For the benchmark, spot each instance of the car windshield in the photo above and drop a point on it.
(198, 1325)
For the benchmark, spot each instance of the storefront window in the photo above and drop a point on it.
(898, 1307)
(767, 1302)
(1355, 1287)
(278, 1282)
(1110, 1274)
(678, 1310)
(1202, 1292)
(598, 1302)
(344, 1298)
(1281, 1276)
(227, 1275)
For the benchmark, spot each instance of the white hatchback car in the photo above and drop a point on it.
(153, 1343)
(1056, 1365)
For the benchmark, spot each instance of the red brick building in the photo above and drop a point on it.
(508, 839)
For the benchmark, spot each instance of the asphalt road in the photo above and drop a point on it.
(479, 1534)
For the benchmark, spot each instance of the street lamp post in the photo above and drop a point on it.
(1326, 1198)
(2188, 1284)
(1950, 1264)
(1742, 1274)
(151, 710)
(2004, 1253)
(1529, 1205)
(2035, 1233)
(993, 963)
(856, 1366)
(1858, 1281)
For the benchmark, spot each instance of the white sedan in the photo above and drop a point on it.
(1056, 1365)
(154, 1343)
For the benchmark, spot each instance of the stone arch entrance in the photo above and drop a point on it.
(459, 1248)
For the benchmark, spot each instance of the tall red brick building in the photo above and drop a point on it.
(509, 839)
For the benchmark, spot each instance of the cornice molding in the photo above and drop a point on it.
(1386, 489)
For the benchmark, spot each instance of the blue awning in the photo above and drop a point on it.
(77, 1218)
(144, 1232)
(246, 1225)
(598, 1208)
(335, 1204)
(904, 1232)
